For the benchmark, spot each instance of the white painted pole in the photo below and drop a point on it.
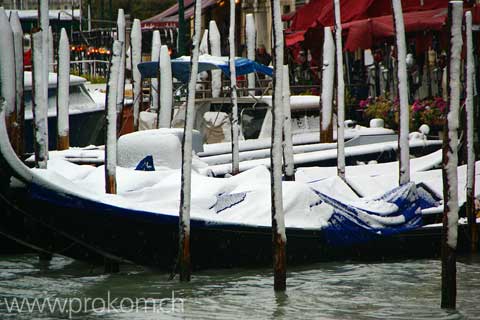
(403, 145)
(121, 76)
(51, 56)
(20, 105)
(136, 51)
(251, 35)
(186, 183)
(7, 73)
(39, 101)
(204, 43)
(279, 237)
(340, 94)
(154, 91)
(470, 76)
(111, 118)
(233, 92)
(289, 164)
(166, 89)
(215, 50)
(328, 79)
(42, 104)
(63, 92)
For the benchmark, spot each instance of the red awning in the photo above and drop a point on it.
(169, 17)
(362, 34)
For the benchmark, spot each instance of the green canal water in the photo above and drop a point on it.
(348, 290)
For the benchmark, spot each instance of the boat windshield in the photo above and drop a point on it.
(78, 97)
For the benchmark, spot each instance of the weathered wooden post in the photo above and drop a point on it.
(340, 94)
(18, 142)
(279, 237)
(51, 56)
(470, 74)
(63, 91)
(154, 90)
(289, 165)
(328, 79)
(39, 101)
(184, 262)
(403, 145)
(111, 118)
(250, 34)
(215, 50)
(121, 73)
(233, 93)
(204, 43)
(7, 74)
(166, 102)
(450, 159)
(136, 45)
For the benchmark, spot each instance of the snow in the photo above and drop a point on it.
(328, 75)
(340, 93)
(166, 89)
(277, 122)
(215, 50)
(40, 103)
(136, 48)
(7, 64)
(453, 122)
(156, 43)
(233, 90)
(250, 35)
(403, 92)
(121, 71)
(63, 91)
(287, 126)
(470, 76)
(18, 50)
(113, 82)
(52, 14)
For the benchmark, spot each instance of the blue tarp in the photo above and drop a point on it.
(350, 225)
(181, 67)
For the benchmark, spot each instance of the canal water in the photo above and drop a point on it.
(342, 290)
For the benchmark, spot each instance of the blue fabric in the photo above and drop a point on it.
(350, 225)
(181, 68)
(146, 164)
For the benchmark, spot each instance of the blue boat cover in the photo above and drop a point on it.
(181, 67)
(146, 164)
(350, 225)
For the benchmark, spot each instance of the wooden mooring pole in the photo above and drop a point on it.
(403, 145)
(289, 164)
(250, 36)
(450, 158)
(328, 80)
(470, 74)
(63, 92)
(184, 261)
(121, 72)
(111, 118)
(136, 57)
(155, 54)
(233, 92)
(165, 89)
(279, 238)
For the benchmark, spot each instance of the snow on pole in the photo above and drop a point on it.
(287, 128)
(470, 75)
(328, 79)
(7, 73)
(279, 237)
(250, 34)
(20, 104)
(204, 43)
(215, 50)
(233, 92)
(450, 159)
(166, 89)
(111, 118)
(39, 101)
(186, 183)
(63, 91)
(42, 104)
(121, 76)
(403, 146)
(136, 45)
(154, 92)
(340, 93)
(51, 59)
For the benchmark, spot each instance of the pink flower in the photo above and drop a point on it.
(417, 106)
